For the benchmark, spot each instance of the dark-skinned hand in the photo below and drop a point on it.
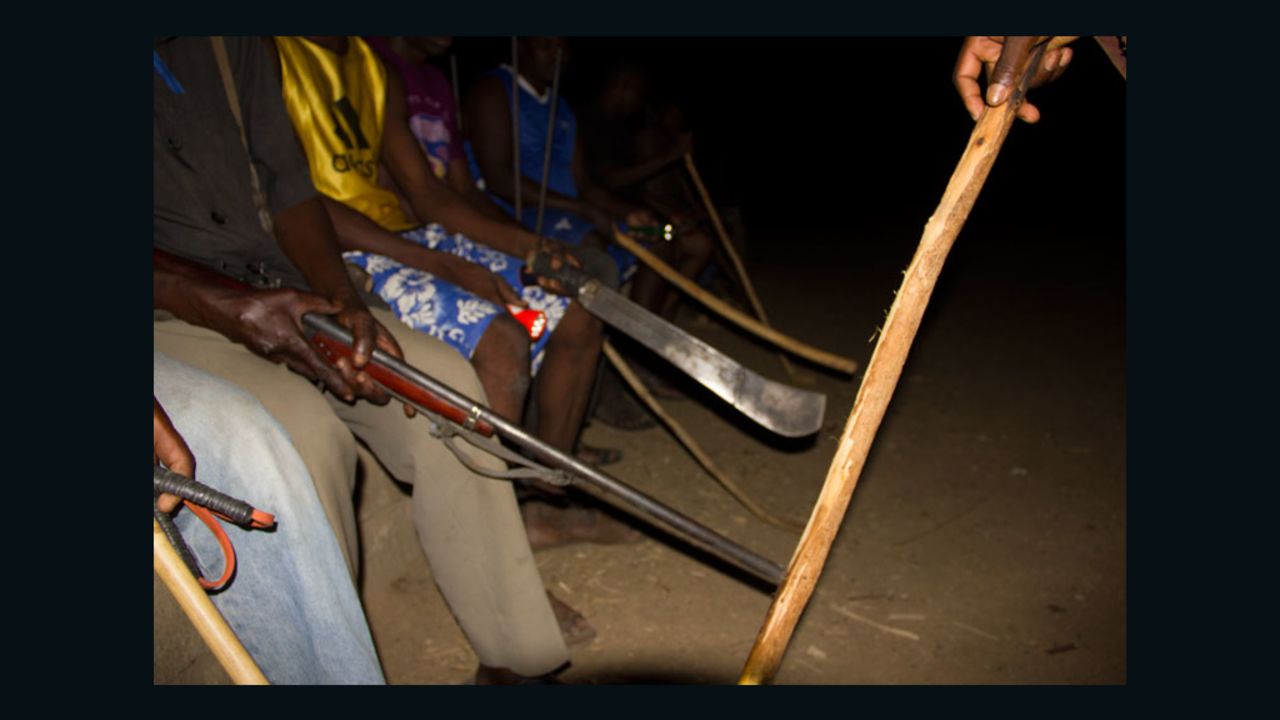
(479, 281)
(366, 335)
(999, 57)
(642, 218)
(171, 450)
(561, 256)
(269, 323)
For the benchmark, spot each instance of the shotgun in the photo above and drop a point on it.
(453, 414)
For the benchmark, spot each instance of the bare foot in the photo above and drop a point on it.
(550, 525)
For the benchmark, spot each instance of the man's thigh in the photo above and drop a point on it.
(325, 444)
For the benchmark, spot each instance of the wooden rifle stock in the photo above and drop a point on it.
(332, 348)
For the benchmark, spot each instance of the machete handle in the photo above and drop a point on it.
(570, 277)
(333, 348)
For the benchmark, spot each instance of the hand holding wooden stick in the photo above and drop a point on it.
(881, 379)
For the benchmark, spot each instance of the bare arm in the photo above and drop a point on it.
(357, 232)
(488, 116)
(459, 178)
(267, 322)
(598, 197)
(624, 177)
(432, 199)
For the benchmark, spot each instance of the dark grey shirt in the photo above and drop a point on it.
(204, 207)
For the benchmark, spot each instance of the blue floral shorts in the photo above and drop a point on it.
(446, 311)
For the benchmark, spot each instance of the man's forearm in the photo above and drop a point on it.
(445, 206)
(624, 177)
(598, 197)
(194, 296)
(357, 232)
(307, 237)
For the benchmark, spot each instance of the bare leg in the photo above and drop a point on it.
(564, 382)
(694, 251)
(648, 289)
(501, 361)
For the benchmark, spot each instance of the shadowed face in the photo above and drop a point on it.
(626, 91)
(538, 58)
(431, 47)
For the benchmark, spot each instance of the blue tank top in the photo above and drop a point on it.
(534, 114)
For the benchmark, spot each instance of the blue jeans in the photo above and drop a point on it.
(292, 601)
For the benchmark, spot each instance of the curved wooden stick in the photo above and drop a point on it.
(624, 369)
(732, 252)
(213, 628)
(883, 372)
(839, 363)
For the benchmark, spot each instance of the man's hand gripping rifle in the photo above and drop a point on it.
(453, 415)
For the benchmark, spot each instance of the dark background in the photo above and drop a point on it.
(820, 143)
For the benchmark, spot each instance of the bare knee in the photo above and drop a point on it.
(502, 358)
(579, 326)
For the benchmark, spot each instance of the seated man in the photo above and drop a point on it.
(578, 211)
(205, 211)
(438, 280)
(639, 155)
(292, 602)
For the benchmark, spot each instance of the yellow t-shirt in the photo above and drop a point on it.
(337, 104)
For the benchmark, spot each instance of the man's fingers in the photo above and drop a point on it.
(307, 362)
(168, 503)
(371, 390)
(386, 342)
(364, 334)
(168, 446)
(1029, 113)
(965, 77)
(306, 303)
(1004, 76)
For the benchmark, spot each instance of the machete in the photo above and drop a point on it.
(785, 410)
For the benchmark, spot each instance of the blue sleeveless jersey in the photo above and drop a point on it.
(535, 113)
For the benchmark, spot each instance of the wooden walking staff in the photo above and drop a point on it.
(756, 306)
(881, 378)
(220, 638)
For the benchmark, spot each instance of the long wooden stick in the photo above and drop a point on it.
(836, 362)
(212, 627)
(878, 385)
(732, 252)
(755, 508)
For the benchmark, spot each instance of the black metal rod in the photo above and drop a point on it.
(457, 90)
(515, 119)
(614, 489)
(546, 152)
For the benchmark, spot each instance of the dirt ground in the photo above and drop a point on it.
(985, 542)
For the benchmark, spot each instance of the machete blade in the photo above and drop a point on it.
(785, 410)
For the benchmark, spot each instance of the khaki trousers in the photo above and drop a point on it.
(469, 525)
